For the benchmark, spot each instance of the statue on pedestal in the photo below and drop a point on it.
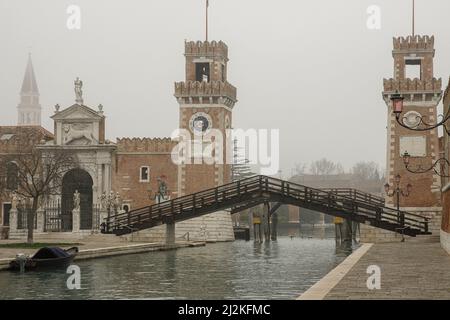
(103, 201)
(78, 91)
(14, 200)
(76, 200)
(117, 202)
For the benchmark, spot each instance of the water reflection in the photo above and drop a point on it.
(240, 270)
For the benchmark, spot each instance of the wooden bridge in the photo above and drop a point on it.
(240, 195)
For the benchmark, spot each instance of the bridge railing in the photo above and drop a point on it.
(341, 200)
(185, 203)
(258, 186)
(357, 195)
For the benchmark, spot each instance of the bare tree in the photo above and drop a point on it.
(38, 174)
(366, 171)
(300, 169)
(325, 167)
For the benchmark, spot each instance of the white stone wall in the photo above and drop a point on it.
(445, 241)
(371, 234)
(215, 227)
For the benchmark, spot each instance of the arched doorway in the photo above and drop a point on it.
(80, 180)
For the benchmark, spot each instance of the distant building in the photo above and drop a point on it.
(332, 181)
(29, 109)
(132, 170)
(11, 142)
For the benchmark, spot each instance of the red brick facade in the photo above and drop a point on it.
(422, 95)
(446, 181)
(131, 156)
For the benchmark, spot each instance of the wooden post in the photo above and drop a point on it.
(274, 226)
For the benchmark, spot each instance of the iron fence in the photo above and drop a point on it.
(22, 218)
(96, 216)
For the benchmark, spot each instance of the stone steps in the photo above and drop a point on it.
(424, 239)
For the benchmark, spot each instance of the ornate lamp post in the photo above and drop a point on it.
(396, 191)
(420, 124)
(163, 192)
(437, 166)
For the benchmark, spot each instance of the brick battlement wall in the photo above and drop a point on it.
(413, 85)
(206, 49)
(414, 43)
(205, 89)
(147, 145)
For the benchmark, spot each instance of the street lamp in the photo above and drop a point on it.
(421, 124)
(437, 166)
(397, 192)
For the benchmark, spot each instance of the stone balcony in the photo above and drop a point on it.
(205, 91)
(415, 91)
(412, 85)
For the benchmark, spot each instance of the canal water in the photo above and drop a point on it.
(237, 270)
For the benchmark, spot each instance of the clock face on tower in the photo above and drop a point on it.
(200, 123)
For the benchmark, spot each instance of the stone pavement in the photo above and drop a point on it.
(408, 271)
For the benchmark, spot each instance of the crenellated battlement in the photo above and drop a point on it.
(206, 49)
(412, 85)
(414, 43)
(157, 145)
(205, 89)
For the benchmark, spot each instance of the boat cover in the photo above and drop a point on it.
(50, 253)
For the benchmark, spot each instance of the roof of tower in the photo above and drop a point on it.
(413, 43)
(29, 84)
(206, 48)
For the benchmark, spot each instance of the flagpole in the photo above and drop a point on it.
(413, 17)
(207, 5)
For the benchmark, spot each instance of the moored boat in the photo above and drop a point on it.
(47, 257)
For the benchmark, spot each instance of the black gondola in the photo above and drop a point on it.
(47, 257)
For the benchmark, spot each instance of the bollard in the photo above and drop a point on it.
(21, 259)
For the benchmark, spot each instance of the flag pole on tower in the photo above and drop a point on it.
(207, 7)
(413, 16)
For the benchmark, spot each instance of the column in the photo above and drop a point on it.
(13, 220)
(75, 220)
(40, 220)
(274, 227)
(266, 221)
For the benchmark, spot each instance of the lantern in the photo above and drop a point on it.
(397, 103)
(406, 158)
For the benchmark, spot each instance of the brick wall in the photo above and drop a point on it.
(132, 154)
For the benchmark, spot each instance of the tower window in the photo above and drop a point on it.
(144, 174)
(202, 72)
(413, 69)
(223, 73)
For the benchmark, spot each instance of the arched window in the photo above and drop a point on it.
(12, 176)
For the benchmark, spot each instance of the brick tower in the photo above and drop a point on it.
(414, 80)
(206, 102)
(205, 98)
(29, 109)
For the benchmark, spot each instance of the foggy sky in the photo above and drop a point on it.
(309, 68)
